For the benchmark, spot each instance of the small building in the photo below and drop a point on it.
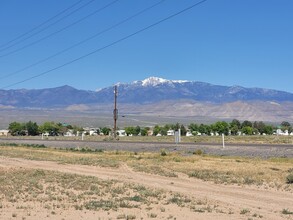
(4, 132)
(121, 133)
(170, 133)
(280, 132)
(46, 134)
(69, 133)
(91, 131)
(189, 134)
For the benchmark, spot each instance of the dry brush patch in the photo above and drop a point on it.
(273, 173)
(224, 170)
(254, 139)
(27, 191)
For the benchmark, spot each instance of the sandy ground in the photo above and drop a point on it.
(265, 203)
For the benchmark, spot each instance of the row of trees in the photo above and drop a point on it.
(32, 128)
(164, 129)
(235, 127)
(51, 128)
(137, 131)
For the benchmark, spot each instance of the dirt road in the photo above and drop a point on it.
(266, 202)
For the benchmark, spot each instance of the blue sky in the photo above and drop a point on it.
(224, 42)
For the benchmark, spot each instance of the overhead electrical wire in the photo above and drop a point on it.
(48, 26)
(83, 41)
(108, 45)
(40, 25)
(60, 30)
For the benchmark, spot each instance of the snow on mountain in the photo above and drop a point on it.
(155, 81)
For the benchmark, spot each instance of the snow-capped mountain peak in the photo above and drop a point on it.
(154, 81)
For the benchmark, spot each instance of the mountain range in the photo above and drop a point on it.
(153, 96)
(150, 90)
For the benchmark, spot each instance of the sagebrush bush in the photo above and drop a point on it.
(290, 178)
(198, 152)
(163, 152)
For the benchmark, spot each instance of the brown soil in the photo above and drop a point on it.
(261, 203)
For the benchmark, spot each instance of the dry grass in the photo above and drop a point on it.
(56, 192)
(229, 170)
(254, 139)
(52, 195)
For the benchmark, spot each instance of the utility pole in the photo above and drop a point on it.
(115, 112)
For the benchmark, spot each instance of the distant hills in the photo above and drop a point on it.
(157, 96)
(46, 98)
(150, 90)
(156, 89)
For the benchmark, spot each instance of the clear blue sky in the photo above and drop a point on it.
(224, 42)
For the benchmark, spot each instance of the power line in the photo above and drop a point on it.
(60, 30)
(109, 45)
(4, 47)
(83, 41)
(40, 25)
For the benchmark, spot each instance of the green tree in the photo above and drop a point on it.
(204, 129)
(236, 123)
(50, 127)
(167, 127)
(164, 131)
(130, 130)
(269, 129)
(260, 126)
(136, 130)
(16, 128)
(144, 132)
(105, 130)
(222, 127)
(193, 127)
(32, 128)
(235, 126)
(246, 124)
(234, 130)
(286, 126)
(156, 130)
(247, 130)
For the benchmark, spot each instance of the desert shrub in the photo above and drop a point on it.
(286, 212)
(198, 152)
(163, 152)
(289, 178)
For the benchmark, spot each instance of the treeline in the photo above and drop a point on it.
(33, 129)
(50, 128)
(235, 127)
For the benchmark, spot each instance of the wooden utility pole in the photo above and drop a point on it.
(115, 112)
